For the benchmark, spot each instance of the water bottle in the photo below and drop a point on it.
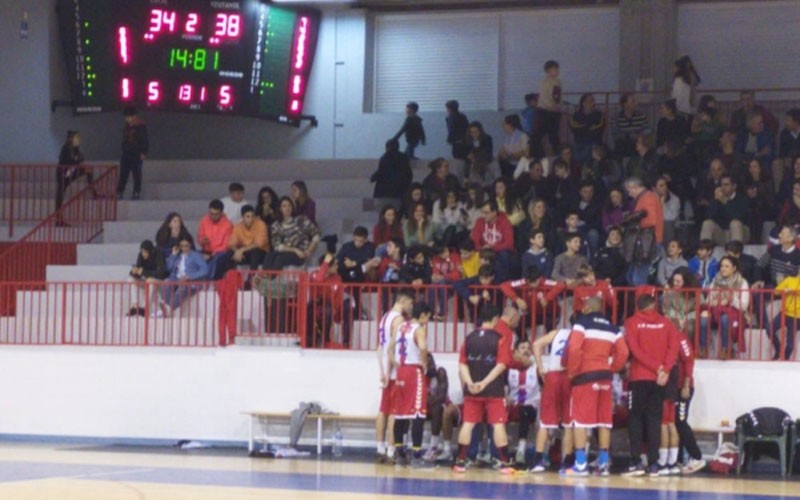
(338, 441)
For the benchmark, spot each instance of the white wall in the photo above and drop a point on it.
(153, 393)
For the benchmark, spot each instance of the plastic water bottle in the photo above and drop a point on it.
(338, 441)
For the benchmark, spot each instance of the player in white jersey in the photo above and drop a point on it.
(555, 395)
(403, 302)
(408, 354)
(523, 396)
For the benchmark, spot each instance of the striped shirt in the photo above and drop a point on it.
(629, 128)
(780, 263)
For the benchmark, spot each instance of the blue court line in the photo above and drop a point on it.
(461, 487)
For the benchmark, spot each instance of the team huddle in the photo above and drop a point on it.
(579, 387)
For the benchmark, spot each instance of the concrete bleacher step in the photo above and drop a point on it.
(92, 273)
(206, 191)
(257, 170)
(109, 254)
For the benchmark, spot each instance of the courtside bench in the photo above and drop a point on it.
(262, 419)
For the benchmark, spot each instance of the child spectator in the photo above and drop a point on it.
(474, 297)
(446, 270)
(416, 270)
(679, 301)
(673, 260)
(328, 304)
(451, 218)
(234, 202)
(587, 286)
(470, 259)
(565, 267)
(609, 263)
(389, 267)
(572, 225)
(703, 265)
(538, 294)
(413, 130)
(537, 255)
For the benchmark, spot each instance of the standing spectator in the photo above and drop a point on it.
(170, 233)
(759, 191)
(549, 107)
(671, 126)
(294, 239)
(135, 146)
(249, 242)
(457, 127)
(480, 156)
(413, 130)
(587, 286)
(528, 119)
(588, 125)
(387, 228)
(749, 106)
(647, 206)
(756, 141)
(69, 168)
(267, 205)
(614, 209)
(728, 303)
(419, 229)
(704, 266)
(670, 263)
(684, 85)
(303, 204)
(789, 141)
(234, 202)
(628, 125)
(439, 181)
(514, 147)
(609, 263)
(679, 300)
(727, 217)
(184, 264)
(150, 268)
(451, 219)
(393, 177)
(213, 235)
(671, 206)
(652, 340)
(507, 201)
(643, 164)
(494, 231)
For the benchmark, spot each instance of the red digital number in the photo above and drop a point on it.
(155, 21)
(228, 25)
(185, 93)
(192, 20)
(127, 89)
(153, 92)
(226, 96)
(162, 19)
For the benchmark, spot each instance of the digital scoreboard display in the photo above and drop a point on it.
(238, 57)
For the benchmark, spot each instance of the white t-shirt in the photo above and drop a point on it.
(233, 209)
(682, 93)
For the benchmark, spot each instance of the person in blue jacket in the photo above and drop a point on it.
(183, 265)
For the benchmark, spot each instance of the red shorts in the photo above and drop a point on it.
(554, 408)
(410, 399)
(668, 412)
(494, 409)
(592, 405)
(387, 395)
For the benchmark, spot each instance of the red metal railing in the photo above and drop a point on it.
(286, 309)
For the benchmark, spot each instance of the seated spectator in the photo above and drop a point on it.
(787, 183)
(588, 125)
(757, 141)
(727, 217)
(671, 205)
(781, 260)
(170, 234)
(587, 286)
(749, 106)
(494, 231)
(149, 268)
(671, 126)
(419, 229)
(439, 181)
(387, 228)
(249, 242)
(303, 204)
(473, 203)
(389, 267)
(703, 265)
(183, 265)
(572, 225)
(602, 169)
(675, 166)
(566, 153)
(451, 219)
(679, 300)
(531, 184)
(627, 126)
(726, 152)
(414, 195)
(748, 265)
(644, 163)
(537, 255)
(707, 129)
(728, 301)
(707, 187)
(614, 208)
(416, 270)
(470, 259)
(785, 325)
(563, 188)
(537, 218)
(214, 234)
(294, 238)
(565, 266)
(790, 212)
(267, 206)
(507, 201)
(234, 202)
(608, 261)
(393, 177)
(328, 304)
(759, 190)
(355, 258)
(514, 147)
(538, 294)
(588, 208)
(789, 141)
(446, 270)
(670, 263)
(480, 157)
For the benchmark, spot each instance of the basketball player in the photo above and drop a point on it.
(408, 355)
(523, 397)
(595, 351)
(555, 396)
(403, 301)
(482, 362)
(438, 400)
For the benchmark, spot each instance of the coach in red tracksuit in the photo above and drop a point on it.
(652, 340)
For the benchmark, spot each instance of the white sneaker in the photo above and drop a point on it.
(444, 456)
(158, 313)
(694, 466)
(674, 470)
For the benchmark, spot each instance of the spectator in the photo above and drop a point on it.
(537, 255)
(538, 218)
(703, 265)
(566, 265)
(740, 117)
(303, 204)
(563, 188)
(602, 168)
(789, 141)
(234, 202)
(790, 212)
(507, 201)
(759, 190)
(671, 126)
(267, 205)
(183, 265)
(515, 145)
(781, 260)
(748, 265)
(473, 203)
(588, 286)
(677, 168)
(294, 239)
(493, 230)
(475, 293)
(413, 196)
(470, 259)
(170, 234)
(628, 125)
(670, 263)
(439, 181)
(328, 305)
(457, 128)
(614, 208)
(588, 125)
(419, 229)
(727, 152)
(707, 187)
(69, 169)
(451, 218)
(567, 153)
(413, 130)
(609, 263)
(756, 141)
(214, 234)
(671, 205)
(149, 268)
(387, 228)
(446, 270)
(549, 107)
(479, 160)
(572, 225)
(787, 183)
(135, 146)
(728, 302)
(707, 129)
(249, 242)
(679, 300)
(528, 120)
(389, 267)
(589, 207)
(355, 260)
(785, 325)
(684, 84)
(537, 294)
(644, 162)
(727, 217)
(531, 184)
(647, 207)
(416, 270)
(393, 177)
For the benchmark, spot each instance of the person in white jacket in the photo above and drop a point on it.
(727, 307)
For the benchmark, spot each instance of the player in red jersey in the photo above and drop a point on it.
(686, 383)
(537, 294)
(587, 285)
(403, 302)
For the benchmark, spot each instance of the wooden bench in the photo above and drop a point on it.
(263, 418)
